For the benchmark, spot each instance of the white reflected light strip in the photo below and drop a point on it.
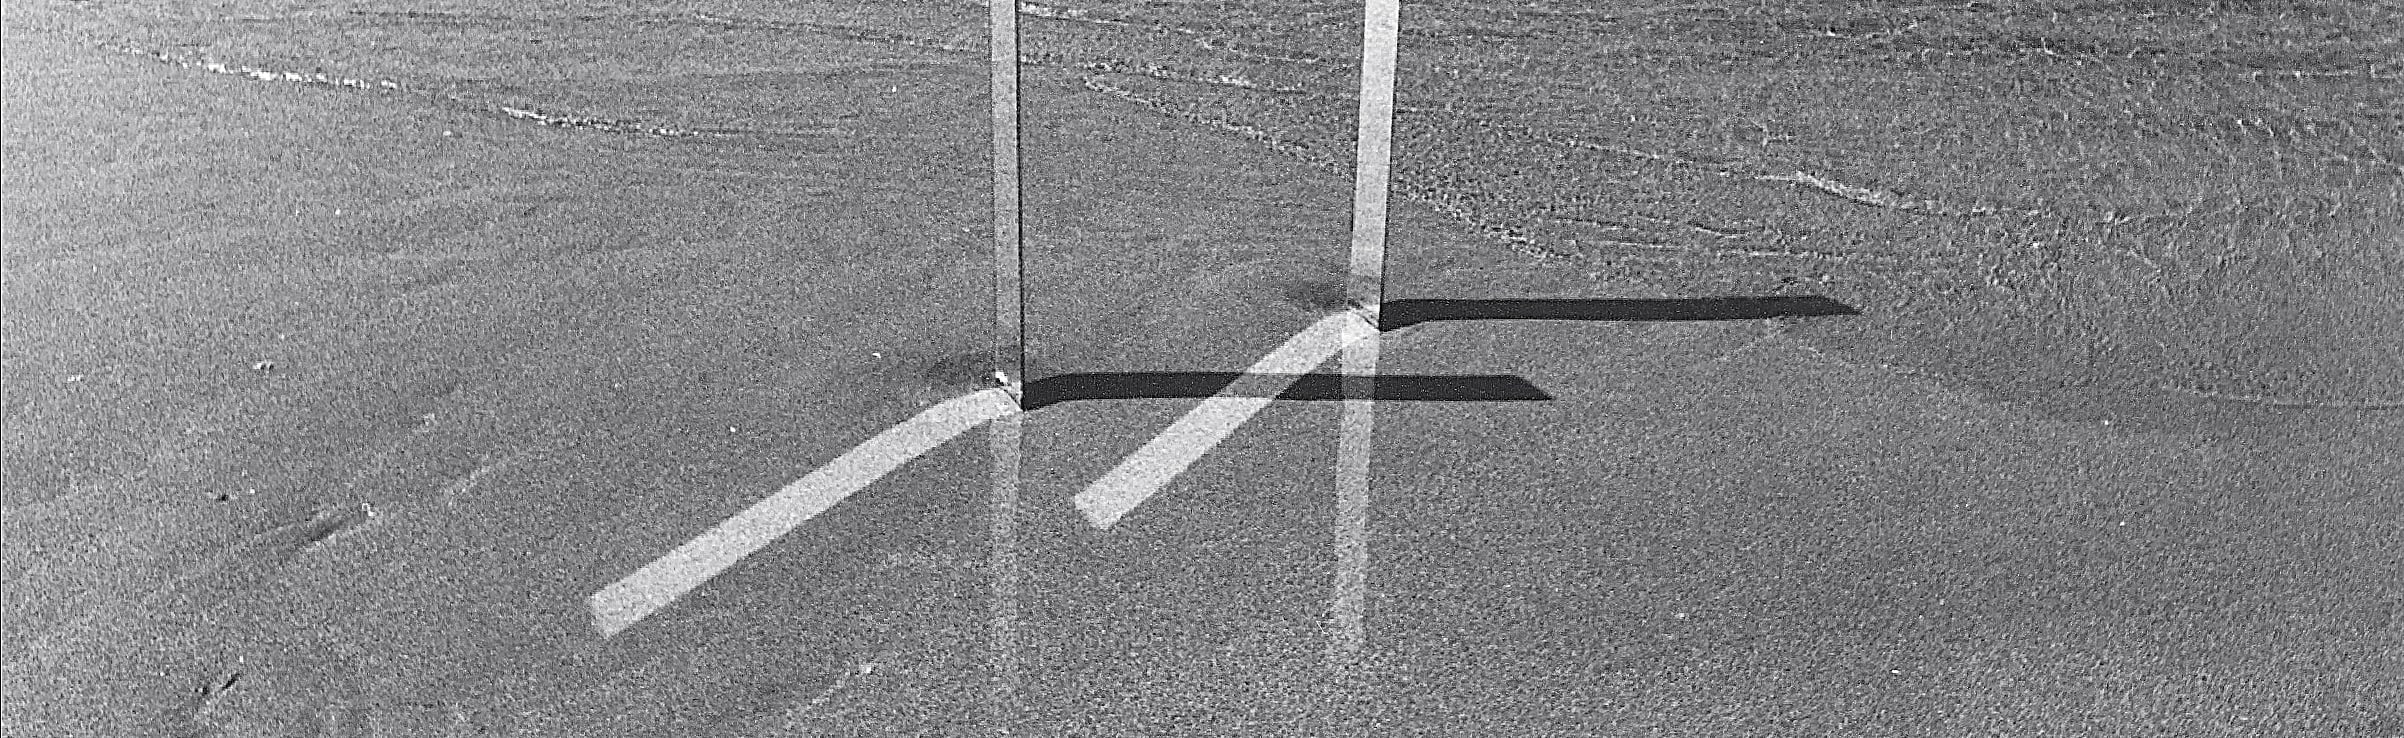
(1373, 158)
(650, 588)
(1010, 359)
(1140, 475)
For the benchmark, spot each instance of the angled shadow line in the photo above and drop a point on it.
(1396, 314)
(1057, 389)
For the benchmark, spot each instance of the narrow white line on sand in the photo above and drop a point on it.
(629, 600)
(1010, 359)
(1381, 23)
(1009, 262)
(1006, 436)
(1373, 151)
(1143, 473)
(1355, 444)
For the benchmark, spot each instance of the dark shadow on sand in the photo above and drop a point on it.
(1399, 313)
(1407, 388)
(1309, 387)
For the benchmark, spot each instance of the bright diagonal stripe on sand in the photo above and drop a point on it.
(1143, 473)
(629, 600)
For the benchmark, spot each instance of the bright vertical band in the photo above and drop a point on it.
(1001, 653)
(1373, 153)
(1009, 267)
(1372, 170)
(1010, 363)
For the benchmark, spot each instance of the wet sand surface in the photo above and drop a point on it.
(330, 398)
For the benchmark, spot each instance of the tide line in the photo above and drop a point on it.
(627, 601)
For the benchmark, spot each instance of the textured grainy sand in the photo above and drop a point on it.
(347, 348)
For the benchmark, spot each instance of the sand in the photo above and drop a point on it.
(330, 400)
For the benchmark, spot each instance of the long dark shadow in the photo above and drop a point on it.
(1315, 387)
(1412, 388)
(1399, 313)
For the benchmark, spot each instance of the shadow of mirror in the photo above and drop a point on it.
(1397, 314)
(1307, 387)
